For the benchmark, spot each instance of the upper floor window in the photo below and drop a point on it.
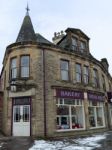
(95, 78)
(109, 86)
(103, 83)
(13, 68)
(78, 73)
(64, 70)
(86, 74)
(82, 46)
(74, 43)
(25, 66)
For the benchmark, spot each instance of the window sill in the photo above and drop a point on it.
(70, 130)
(97, 127)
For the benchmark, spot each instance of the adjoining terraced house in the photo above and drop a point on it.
(53, 89)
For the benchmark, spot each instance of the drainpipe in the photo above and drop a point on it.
(44, 92)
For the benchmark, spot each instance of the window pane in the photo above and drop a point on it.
(86, 75)
(77, 117)
(63, 121)
(103, 82)
(64, 70)
(17, 115)
(74, 41)
(64, 75)
(25, 66)
(99, 113)
(64, 65)
(83, 45)
(24, 71)
(92, 117)
(95, 78)
(13, 63)
(25, 61)
(78, 77)
(13, 71)
(78, 68)
(26, 114)
(78, 73)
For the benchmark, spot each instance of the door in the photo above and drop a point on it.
(21, 120)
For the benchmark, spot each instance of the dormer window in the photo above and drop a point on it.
(82, 46)
(74, 43)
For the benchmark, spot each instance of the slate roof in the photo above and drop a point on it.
(26, 32)
(75, 30)
(41, 39)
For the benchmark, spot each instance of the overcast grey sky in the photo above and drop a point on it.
(94, 17)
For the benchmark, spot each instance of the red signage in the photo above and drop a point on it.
(64, 93)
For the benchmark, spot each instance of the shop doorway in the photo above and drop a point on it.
(21, 120)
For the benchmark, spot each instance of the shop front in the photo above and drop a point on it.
(70, 110)
(96, 110)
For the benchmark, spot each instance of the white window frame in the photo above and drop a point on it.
(86, 74)
(99, 105)
(95, 78)
(13, 68)
(78, 103)
(64, 70)
(103, 83)
(78, 73)
(25, 68)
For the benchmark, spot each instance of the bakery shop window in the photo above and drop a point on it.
(96, 114)
(70, 114)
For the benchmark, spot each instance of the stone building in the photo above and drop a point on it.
(53, 90)
(1, 105)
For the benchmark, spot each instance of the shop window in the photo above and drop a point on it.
(96, 114)
(13, 68)
(86, 74)
(64, 70)
(74, 44)
(25, 66)
(70, 114)
(78, 73)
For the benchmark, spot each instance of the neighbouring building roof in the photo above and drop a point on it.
(26, 32)
(41, 39)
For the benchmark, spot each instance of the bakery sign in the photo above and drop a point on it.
(95, 96)
(71, 94)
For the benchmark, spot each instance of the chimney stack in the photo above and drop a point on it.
(58, 36)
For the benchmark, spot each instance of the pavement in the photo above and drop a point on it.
(15, 143)
(24, 143)
(107, 143)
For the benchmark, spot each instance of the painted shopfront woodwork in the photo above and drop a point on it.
(70, 109)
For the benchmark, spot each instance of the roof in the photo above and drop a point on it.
(26, 32)
(77, 31)
(41, 39)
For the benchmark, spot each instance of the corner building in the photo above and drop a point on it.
(52, 90)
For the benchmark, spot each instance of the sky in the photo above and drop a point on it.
(93, 17)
